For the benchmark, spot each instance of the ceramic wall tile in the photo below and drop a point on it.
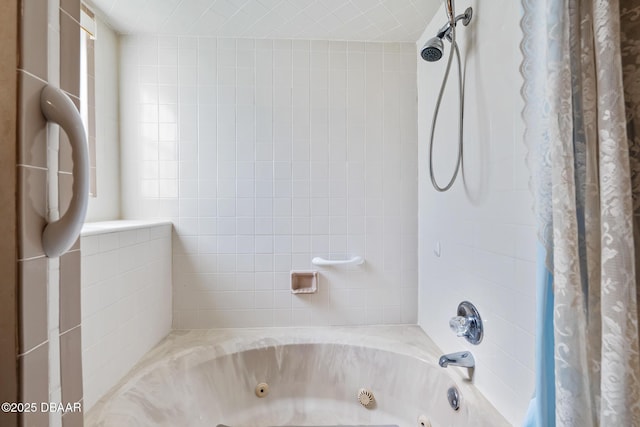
(33, 38)
(33, 303)
(70, 290)
(271, 158)
(34, 380)
(71, 365)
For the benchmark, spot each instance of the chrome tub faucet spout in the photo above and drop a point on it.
(461, 358)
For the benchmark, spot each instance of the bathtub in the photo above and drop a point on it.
(293, 376)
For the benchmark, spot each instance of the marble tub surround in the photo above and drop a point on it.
(208, 377)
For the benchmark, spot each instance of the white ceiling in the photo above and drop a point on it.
(361, 20)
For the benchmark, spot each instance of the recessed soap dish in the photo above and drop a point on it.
(304, 282)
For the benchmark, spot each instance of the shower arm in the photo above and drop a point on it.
(446, 28)
(445, 31)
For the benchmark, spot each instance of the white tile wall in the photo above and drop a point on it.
(126, 301)
(266, 153)
(484, 225)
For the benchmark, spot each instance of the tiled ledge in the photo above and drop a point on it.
(93, 228)
(126, 298)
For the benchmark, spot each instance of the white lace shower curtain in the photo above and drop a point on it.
(581, 69)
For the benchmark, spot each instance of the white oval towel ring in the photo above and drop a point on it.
(59, 236)
(356, 260)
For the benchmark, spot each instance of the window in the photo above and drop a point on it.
(87, 88)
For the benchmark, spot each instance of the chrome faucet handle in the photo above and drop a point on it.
(460, 325)
(467, 323)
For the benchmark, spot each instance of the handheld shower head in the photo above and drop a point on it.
(432, 50)
(450, 6)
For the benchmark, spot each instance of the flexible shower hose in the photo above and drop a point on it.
(454, 47)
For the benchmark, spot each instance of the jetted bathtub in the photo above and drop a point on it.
(293, 376)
